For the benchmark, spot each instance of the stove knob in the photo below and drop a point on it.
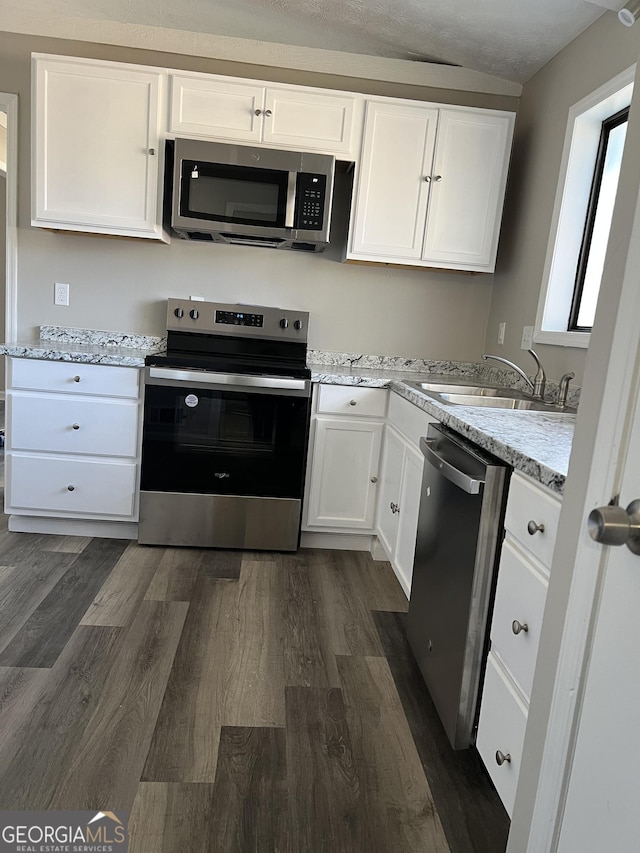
(298, 325)
(179, 312)
(284, 323)
(194, 314)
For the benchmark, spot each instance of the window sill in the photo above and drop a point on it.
(579, 340)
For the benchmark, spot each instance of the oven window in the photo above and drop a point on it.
(224, 442)
(237, 194)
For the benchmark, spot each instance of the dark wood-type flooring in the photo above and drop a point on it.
(228, 701)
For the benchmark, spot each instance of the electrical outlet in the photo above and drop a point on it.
(60, 293)
(527, 337)
(501, 330)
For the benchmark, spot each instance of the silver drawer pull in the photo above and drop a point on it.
(353, 402)
(374, 479)
(76, 379)
(394, 507)
(258, 112)
(533, 527)
(71, 488)
(75, 426)
(501, 758)
(517, 627)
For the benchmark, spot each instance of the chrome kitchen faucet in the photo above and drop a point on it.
(536, 385)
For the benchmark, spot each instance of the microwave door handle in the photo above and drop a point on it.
(291, 200)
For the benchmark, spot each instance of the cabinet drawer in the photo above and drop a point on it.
(502, 724)
(63, 376)
(352, 401)
(408, 419)
(521, 596)
(72, 425)
(70, 487)
(529, 502)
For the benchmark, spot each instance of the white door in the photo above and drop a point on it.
(96, 147)
(579, 786)
(216, 109)
(467, 188)
(344, 473)
(392, 192)
(390, 475)
(309, 121)
(409, 504)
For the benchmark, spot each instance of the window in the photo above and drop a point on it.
(590, 168)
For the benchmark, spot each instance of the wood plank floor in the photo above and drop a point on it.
(228, 701)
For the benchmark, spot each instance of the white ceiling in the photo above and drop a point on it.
(510, 39)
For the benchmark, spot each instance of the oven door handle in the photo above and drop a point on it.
(278, 383)
(290, 208)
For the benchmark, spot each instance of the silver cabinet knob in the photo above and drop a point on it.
(374, 479)
(353, 402)
(268, 113)
(438, 178)
(517, 627)
(76, 379)
(258, 112)
(75, 426)
(152, 151)
(533, 527)
(427, 178)
(70, 488)
(613, 525)
(394, 507)
(501, 758)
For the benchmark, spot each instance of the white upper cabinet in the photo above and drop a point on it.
(467, 188)
(392, 191)
(431, 185)
(96, 153)
(252, 112)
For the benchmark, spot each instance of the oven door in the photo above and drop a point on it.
(230, 435)
(223, 459)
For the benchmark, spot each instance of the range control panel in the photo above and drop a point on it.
(254, 321)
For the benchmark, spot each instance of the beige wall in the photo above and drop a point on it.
(592, 59)
(122, 284)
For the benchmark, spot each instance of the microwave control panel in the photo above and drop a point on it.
(311, 191)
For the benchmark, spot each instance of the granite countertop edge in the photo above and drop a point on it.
(536, 443)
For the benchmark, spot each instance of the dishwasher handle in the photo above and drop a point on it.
(468, 484)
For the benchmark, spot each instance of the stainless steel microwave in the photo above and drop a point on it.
(228, 193)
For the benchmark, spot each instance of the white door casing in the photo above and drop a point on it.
(9, 104)
(578, 787)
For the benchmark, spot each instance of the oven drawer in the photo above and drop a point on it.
(70, 486)
(353, 401)
(72, 378)
(63, 425)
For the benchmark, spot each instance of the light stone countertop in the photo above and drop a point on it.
(536, 443)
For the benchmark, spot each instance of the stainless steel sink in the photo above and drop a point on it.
(485, 397)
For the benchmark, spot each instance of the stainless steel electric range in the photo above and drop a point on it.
(225, 428)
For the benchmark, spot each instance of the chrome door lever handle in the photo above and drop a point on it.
(614, 525)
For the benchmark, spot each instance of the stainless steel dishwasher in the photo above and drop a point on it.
(457, 549)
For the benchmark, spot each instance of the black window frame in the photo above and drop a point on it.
(608, 125)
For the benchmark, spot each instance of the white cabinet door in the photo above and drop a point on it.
(96, 159)
(344, 473)
(218, 109)
(409, 504)
(390, 477)
(310, 121)
(251, 112)
(392, 190)
(467, 188)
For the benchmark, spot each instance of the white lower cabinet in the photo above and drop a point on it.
(531, 523)
(342, 474)
(72, 451)
(400, 486)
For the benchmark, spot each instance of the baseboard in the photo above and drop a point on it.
(73, 527)
(337, 541)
